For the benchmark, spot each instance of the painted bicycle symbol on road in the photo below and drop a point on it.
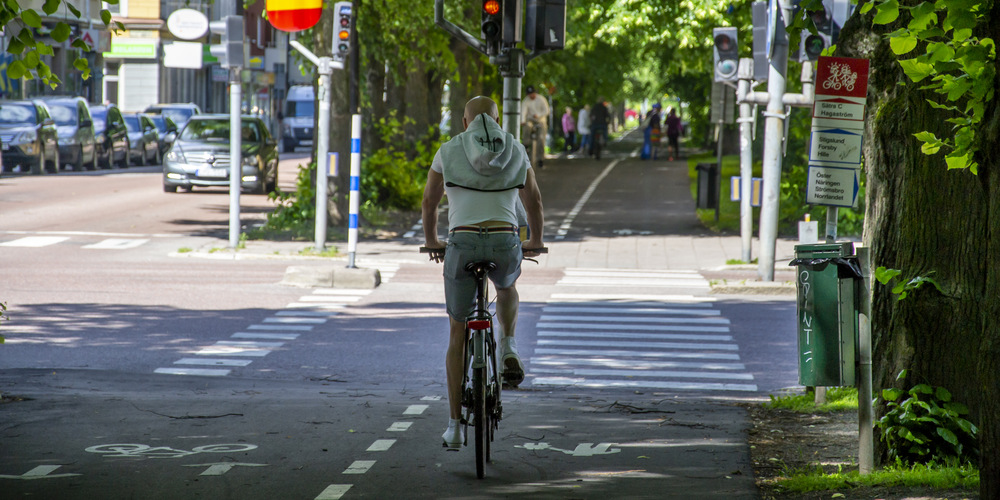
(132, 450)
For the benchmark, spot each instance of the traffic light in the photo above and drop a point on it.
(345, 18)
(511, 22)
(492, 26)
(761, 59)
(230, 51)
(545, 24)
(828, 23)
(726, 54)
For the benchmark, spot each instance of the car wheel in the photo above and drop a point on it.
(142, 155)
(169, 189)
(158, 156)
(42, 166)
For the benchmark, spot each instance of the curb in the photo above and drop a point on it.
(331, 277)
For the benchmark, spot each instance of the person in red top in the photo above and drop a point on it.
(674, 131)
(569, 128)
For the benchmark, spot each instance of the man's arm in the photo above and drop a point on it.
(433, 192)
(531, 197)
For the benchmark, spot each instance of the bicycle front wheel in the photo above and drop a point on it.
(481, 419)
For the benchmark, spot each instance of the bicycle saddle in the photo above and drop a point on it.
(485, 264)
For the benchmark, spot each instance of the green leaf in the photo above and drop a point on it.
(939, 52)
(61, 32)
(958, 161)
(922, 16)
(81, 64)
(903, 43)
(31, 59)
(942, 394)
(884, 275)
(866, 7)
(922, 389)
(948, 435)
(915, 69)
(891, 394)
(106, 17)
(15, 46)
(31, 18)
(44, 50)
(16, 70)
(902, 375)
(888, 11)
(76, 12)
(51, 6)
(82, 45)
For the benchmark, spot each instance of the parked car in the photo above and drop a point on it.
(112, 136)
(297, 122)
(29, 137)
(167, 131)
(144, 141)
(77, 140)
(200, 155)
(180, 113)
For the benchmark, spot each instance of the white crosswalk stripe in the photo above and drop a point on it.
(641, 340)
(34, 241)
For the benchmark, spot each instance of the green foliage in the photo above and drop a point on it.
(959, 67)
(28, 52)
(927, 427)
(837, 399)
(394, 176)
(296, 212)
(902, 288)
(944, 478)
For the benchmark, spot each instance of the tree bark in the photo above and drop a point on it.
(928, 221)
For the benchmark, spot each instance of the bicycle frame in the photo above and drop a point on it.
(481, 396)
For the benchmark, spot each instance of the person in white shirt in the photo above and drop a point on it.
(534, 114)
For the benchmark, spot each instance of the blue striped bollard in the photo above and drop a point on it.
(355, 196)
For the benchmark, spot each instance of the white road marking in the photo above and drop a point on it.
(658, 299)
(633, 319)
(643, 353)
(273, 336)
(399, 426)
(658, 328)
(431, 398)
(117, 244)
(341, 291)
(322, 314)
(653, 311)
(571, 216)
(331, 307)
(654, 345)
(294, 320)
(648, 336)
(359, 467)
(293, 328)
(231, 350)
(332, 299)
(35, 241)
(589, 372)
(334, 492)
(213, 362)
(634, 364)
(415, 409)
(205, 372)
(250, 343)
(580, 382)
(381, 445)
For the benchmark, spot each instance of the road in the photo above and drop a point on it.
(151, 371)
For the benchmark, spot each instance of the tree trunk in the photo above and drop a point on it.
(927, 221)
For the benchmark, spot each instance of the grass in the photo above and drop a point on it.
(837, 399)
(311, 252)
(184, 250)
(729, 211)
(926, 476)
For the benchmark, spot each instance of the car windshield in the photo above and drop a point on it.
(132, 123)
(178, 115)
(63, 115)
(217, 131)
(98, 115)
(17, 114)
(161, 124)
(300, 108)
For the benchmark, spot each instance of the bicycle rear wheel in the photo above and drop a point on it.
(481, 419)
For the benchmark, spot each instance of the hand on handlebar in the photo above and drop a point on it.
(435, 251)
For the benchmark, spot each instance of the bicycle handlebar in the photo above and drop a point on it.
(441, 250)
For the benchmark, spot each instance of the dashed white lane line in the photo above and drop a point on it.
(334, 492)
(272, 336)
(117, 244)
(213, 362)
(571, 216)
(204, 372)
(359, 467)
(307, 314)
(415, 409)
(399, 426)
(284, 320)
(35, 241)
(296, 328)
(381, 445)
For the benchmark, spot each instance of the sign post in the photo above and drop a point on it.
(836, 138)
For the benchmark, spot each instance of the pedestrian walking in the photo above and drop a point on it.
(651, 133)
(569, 128)
(674, 130)
(599, 118)
(583, 127)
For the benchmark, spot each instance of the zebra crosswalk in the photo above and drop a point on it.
(636, 340)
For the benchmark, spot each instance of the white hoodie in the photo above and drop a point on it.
(483, 167)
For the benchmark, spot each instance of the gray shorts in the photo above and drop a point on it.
(504, 249)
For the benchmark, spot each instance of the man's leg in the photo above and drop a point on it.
(507, 305)
(455, 367)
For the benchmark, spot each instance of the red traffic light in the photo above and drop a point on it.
(723, 42)
(491, 7)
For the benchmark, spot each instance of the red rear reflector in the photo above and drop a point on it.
(478, 324)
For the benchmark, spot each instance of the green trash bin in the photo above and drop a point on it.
(828, 282)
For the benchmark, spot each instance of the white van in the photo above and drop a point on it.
(300, 111)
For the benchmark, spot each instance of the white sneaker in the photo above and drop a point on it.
(513, 369)
(454, 435)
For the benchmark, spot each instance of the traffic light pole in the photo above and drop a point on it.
(235, 159)
(325, 67)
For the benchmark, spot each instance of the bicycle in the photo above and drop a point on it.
(598, 140)
(536, 141)
(481, 390)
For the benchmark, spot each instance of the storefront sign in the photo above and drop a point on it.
(132, 49)
(187, 24)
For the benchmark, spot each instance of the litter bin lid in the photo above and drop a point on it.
(824, 250)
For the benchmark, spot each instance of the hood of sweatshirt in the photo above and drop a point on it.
(484, 157)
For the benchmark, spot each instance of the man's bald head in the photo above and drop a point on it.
(479, 105)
